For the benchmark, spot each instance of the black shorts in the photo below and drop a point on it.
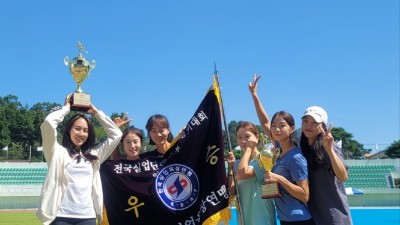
(73, 221)
(303, 222)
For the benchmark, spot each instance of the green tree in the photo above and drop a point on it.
(393, 151)
(4, 131)
(17, 126)
(20, 127)
(17, 152)
(351, 149)
(232, 134)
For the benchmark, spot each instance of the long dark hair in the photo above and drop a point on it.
(161, 121)
(89, 143)
(315, 154)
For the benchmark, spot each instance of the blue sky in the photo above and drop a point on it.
(157, 57)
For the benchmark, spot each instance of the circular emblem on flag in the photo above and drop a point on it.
(177, 186)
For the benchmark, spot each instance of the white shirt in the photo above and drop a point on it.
(78, 201)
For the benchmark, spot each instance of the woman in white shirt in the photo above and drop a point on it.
(72, 192)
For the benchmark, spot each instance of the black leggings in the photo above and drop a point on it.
(73, 221)
(303, 222)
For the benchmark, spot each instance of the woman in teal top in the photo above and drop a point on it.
(250, 176)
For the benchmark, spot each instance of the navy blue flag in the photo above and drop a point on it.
(186, 186)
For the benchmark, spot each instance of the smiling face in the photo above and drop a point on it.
(310, 128)
(158, 130)
(159, 135)
(79, 132)
(132, 144)
(280, 129)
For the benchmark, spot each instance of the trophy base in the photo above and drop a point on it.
(80, 102)
(270, 190)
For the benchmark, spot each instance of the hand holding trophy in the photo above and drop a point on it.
(80, 69)
(267, 158)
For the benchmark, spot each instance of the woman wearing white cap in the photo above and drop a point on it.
(327, 170)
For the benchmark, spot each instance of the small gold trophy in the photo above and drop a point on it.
(80, 69)
(267, 158)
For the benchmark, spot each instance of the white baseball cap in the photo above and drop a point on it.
(318, 113)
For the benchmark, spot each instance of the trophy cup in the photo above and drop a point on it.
(80, 69)
(267, 158)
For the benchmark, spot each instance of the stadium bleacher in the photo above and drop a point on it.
(21, 176)
(360, 176)
(369, 176)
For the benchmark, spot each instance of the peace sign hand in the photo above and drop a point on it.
(253, 85)
(327, 138)
(122, 121)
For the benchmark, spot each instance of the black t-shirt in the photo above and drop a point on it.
(153, 153)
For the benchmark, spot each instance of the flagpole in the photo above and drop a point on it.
(30, 153)
(239, 209)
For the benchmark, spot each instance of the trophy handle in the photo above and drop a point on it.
(66, 61)
(92, 65)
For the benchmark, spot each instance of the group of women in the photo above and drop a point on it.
(309, 171)
(72, 192)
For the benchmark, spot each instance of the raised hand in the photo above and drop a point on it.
(92, 110)
(338, 167)
(327, 138)
(121, 121)
(68, 100)
(251, 145)
(253, 84)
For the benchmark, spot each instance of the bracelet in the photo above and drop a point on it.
(230, 174)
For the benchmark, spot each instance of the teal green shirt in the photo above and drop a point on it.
(256, 211)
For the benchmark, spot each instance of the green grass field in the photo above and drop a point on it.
(18, 218)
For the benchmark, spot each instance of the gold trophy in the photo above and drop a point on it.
(80, 69)
(267, 158)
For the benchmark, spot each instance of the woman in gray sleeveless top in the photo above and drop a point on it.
(327, 170)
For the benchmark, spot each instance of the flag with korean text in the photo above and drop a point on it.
(186, 186)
